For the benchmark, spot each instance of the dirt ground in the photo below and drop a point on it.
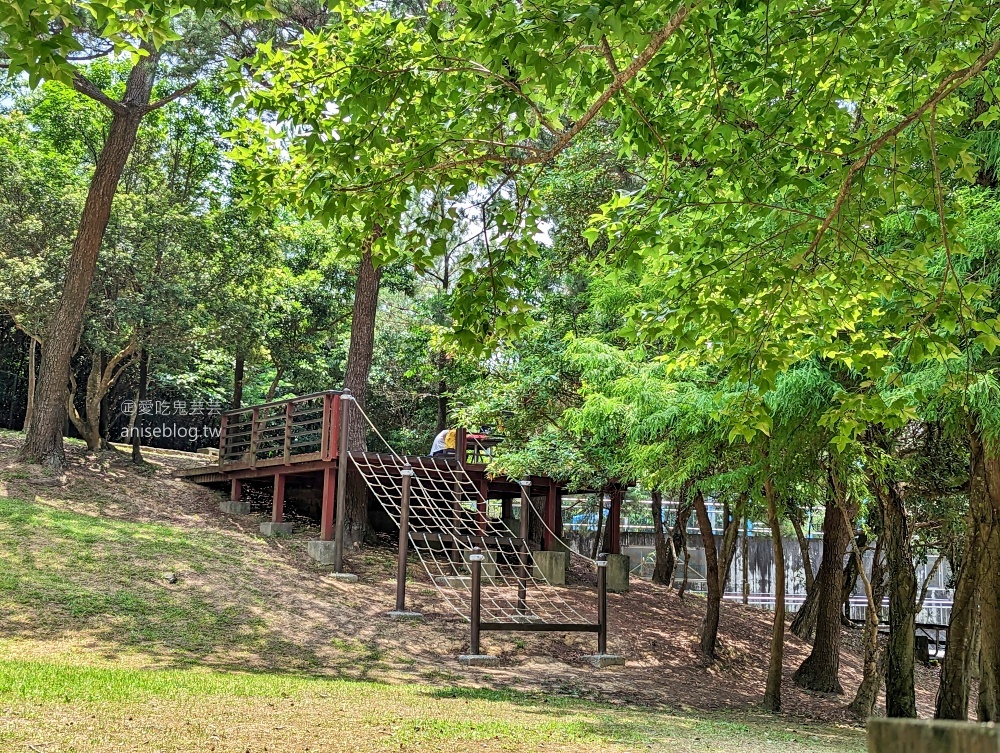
(313, 617)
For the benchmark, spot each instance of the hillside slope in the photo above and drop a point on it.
(120, 568)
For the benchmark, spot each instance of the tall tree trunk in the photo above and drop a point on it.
(663, 572)
(821, 668)
(710, 625)
(803, 550)
(987, 505)
(359, 365)
(140, 396)
(32, 358)
(772, 692)
(874, 659)
(900, 690)
(239, 372)
(44, 440)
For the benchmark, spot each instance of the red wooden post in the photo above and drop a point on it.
(326, 515)
(288, 431)
(334, 425)
(324, 446)
(462, 445)
(278, 503)
(235, 490)
(615, 523)
(550, 518)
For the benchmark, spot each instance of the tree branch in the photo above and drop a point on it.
(950, 83)
(171, 97)
(89, 89)
(564, 137)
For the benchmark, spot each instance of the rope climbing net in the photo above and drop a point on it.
(447, 520)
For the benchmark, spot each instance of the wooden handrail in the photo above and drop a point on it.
(282, 432)
(295, 399)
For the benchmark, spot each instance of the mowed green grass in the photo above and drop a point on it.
(87, 708)
(97, 654)
(62, 572)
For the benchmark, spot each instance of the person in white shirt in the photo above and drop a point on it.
(444, 444)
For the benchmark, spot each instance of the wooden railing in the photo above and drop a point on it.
(280, 433)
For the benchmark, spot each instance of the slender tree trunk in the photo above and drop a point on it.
(273, 388)
(104, 417)
(44, 440)
(805, 620)
(988, 510)
(140, 396)
(874, 659)
(239, 372)
(32, 358)
(745, 585)
(729, 540)
(851, 572)
(679, 537)
(820, 670)
(88, 425)
(956, 668)
(800, 536)
(359, 364)
(664, 569)
(710, 625)
(900, 690)
(772, 692)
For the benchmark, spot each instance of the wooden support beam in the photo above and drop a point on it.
(278, 501)
(222, 440)
(235, 490)
(615, 522)
(548, 530)
(254, 436)
(326, 513)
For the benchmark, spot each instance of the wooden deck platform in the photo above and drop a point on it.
(302, 435)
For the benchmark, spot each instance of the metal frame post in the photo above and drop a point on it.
(602, 604)
(342, 459)
(522, 555)
(404, 531)
(476, 560)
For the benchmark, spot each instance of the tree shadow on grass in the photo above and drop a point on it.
(67, 576)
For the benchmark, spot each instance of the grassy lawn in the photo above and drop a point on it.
(98, 653)
(58, 706)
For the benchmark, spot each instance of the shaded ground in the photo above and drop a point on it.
(82, 583)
